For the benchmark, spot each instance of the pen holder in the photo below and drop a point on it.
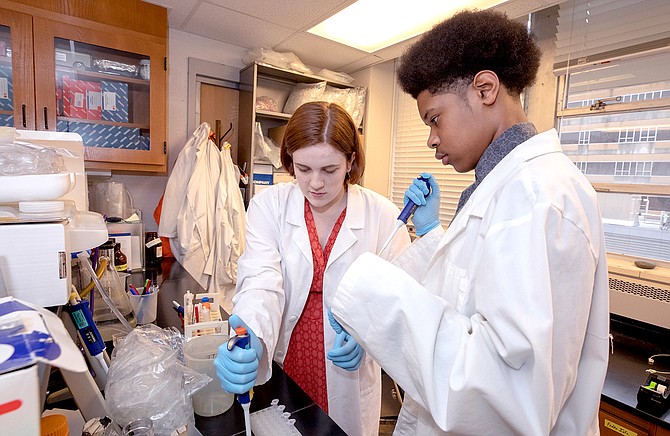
(145, 306)
(199, 354)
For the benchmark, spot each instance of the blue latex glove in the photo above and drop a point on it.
(427, 215)
(346, 352)
(237, 369)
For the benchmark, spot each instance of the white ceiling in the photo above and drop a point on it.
(282, 25)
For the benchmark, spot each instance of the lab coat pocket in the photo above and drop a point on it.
(454, 285)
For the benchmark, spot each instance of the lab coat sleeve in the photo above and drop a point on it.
(260, 297)
(513, 363)
(414, 259)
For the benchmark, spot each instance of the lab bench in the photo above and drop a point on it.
(310, 418)
(633, 344)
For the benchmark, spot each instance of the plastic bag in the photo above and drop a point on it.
(287, 60)
(265, 148)
(335, 76)
(148, 379)
(19, 158)
(351, 99)
(304, 93)
(265, 103)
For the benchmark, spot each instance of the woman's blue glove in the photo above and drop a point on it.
(346, 352)
(427, 216)
(237, 369)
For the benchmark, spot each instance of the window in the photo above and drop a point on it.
(615, 98)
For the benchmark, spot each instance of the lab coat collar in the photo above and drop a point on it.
(353, 222)
(538, 145)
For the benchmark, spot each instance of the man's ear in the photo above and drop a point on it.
(487, 86)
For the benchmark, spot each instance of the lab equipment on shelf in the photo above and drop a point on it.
(194, 324)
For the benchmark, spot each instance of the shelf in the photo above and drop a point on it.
(109, 123)
(273, 115)
(2, 112)
(80, 74)
(295, 76)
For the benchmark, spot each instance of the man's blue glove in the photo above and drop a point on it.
(237, 369)
(427, 216)
(346, 352)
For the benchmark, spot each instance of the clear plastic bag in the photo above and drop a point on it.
(148, 379)
(18, 158)
(265, 103)
(351, 99)
(335, 76)
(287, 60)
(304, 93)
(265, 148)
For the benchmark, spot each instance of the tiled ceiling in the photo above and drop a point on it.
(282, 25)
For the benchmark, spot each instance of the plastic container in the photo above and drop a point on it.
(144, 306)
(199, 354)
(35, 187)
(139, 427)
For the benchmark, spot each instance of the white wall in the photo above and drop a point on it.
(378, 125)
(146, 190)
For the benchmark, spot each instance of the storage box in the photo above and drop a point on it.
(263, 177)
(277, 134)
(6, 88)
(82, 99)
(106, 136)
(44, 339)
(114, 101)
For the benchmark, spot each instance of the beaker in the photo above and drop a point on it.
(107, 322)
(139, 427)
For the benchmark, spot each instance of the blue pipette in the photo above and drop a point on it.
(406, 212)
(241, 340)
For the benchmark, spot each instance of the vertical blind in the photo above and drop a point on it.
(592, 31)
(411, 157)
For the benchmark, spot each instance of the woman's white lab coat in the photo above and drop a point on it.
(500, 325)
(203, 214)
(274, 277)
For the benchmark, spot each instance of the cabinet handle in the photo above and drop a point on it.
(46, 120)
(23, 115)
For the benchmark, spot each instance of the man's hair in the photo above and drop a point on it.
(465, 44)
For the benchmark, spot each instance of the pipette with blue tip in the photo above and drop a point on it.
(241, 340)
(405, 214)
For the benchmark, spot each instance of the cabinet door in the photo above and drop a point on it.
(106, 85)
(17, 95)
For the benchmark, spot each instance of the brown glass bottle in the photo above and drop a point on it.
(120, 259)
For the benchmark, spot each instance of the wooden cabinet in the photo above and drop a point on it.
(97, 68)
(260, 82)
(615, 422)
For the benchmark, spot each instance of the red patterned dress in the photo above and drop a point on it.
(305, 360)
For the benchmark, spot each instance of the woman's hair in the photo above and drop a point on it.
(465, 44)
(318, 123)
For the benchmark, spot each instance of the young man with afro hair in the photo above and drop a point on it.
(498, 325)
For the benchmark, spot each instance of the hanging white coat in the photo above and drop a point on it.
(274, 278)
(203, 214)
(500, 325)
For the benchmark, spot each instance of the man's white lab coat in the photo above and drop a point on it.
(500, 325)
(274, 278)
(203, 214)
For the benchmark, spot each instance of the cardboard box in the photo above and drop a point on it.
(114, 101)
(6, 88)
(106, 136)
(82, 99)
(262, 177)
(46, 340)
(277, 134)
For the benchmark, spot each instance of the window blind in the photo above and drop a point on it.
(591, 31)
(411, 157)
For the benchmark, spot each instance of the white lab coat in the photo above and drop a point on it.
(203, 214)
(500, 325)
(274, 278)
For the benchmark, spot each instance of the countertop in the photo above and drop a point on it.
(633, 343)
(310, 418)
